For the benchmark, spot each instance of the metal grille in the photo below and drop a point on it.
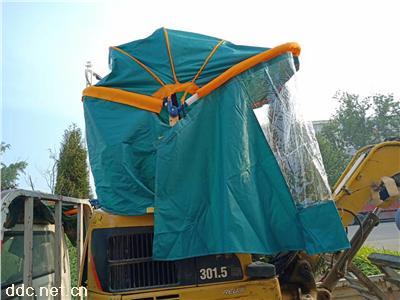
(131, 265)
(132, 246)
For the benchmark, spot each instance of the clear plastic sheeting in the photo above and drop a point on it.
(290, 136)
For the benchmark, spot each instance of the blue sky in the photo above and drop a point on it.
(45, 47)
(346, 45)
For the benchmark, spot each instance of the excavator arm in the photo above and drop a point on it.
(372, 177)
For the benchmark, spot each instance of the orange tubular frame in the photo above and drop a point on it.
(247, 64)
(128, 98)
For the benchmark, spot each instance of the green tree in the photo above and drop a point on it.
(72, 179)
(351, 120)
(333, 152)
(385, 123)
(72, 169)
(10, 173)
(356, 122)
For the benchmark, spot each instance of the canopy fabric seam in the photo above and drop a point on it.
(203, 66)
(140, 64)
(171, 62)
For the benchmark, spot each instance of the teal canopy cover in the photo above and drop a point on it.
(220, 180)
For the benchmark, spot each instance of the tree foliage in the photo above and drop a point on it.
(357, 122)
(10, 173)
(72, 170)
(333, 153)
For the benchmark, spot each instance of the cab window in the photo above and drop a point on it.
(12, 256)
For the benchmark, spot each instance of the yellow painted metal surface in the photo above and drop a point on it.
(98, 296)
(247, 290)
(101, 219)
(243, 289)
(380, 160)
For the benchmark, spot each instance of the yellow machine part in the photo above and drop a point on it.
(242, 289)
(364, 172)
(248, 290)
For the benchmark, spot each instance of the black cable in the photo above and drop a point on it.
(282, 260)
(357, 219)
(361, 228)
